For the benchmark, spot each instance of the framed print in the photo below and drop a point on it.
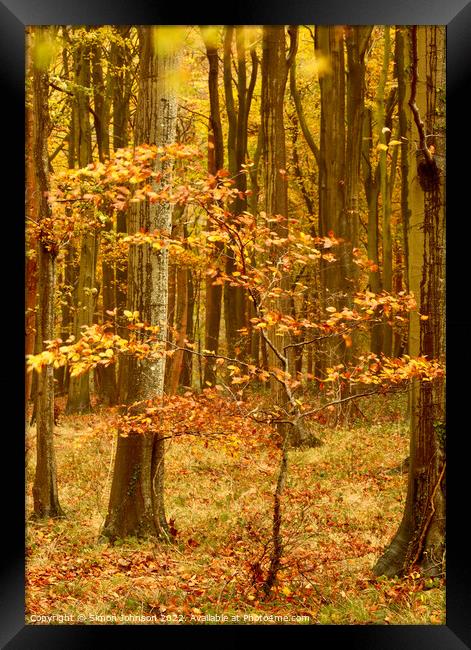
(237, 261)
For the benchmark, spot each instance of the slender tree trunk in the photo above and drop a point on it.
(45, 494)
(420, 539)
(275, 68)
(32, 211)
(332, 177)
(69, 278)
(177, 319)
(120, 110)
(253, 199)
(215, 163)
(137, 493)
(105, 376)
(356, 40)
(235, 298)
(67, 318)
(384, 137)
(274, 78)
(181, 323)
(404, 129)
(79, 387)
(186, 377)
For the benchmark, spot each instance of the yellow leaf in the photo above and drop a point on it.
(382, 147)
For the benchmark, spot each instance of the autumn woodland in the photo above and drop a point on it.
(235, 316)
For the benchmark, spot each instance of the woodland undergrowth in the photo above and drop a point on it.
(342, 503)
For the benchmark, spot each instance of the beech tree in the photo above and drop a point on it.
(137, 500)
(303, 244)
(79, 387)
(45, 495)
(215, 163)
(420, 539)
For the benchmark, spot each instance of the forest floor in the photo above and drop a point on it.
(342, 503)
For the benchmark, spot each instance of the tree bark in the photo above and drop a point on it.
(384, 137)
(120, 109)
(356, 40)
(235, 298)
(329, 41)
(45, 494)
(79, 387)
(32, 210)
(137, 493)
(420, 539)
(105, 376)
(215, 163)
(275, 69)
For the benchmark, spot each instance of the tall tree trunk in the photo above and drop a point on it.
(122, 86)
(356, 40)
(404, 128)
(420, 539)
(69, 277)
(186, 377)
(235, 298)
(32, 211)
(384, 137)
(68, 289)
(275, 68)
(136, 504)
(329, 41)
(105, 376)
(371, 184)
(215, 163)
(45, 495)
(181, 324)
(177, 318)
(79, 387)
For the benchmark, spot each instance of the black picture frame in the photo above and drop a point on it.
(456, 15)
